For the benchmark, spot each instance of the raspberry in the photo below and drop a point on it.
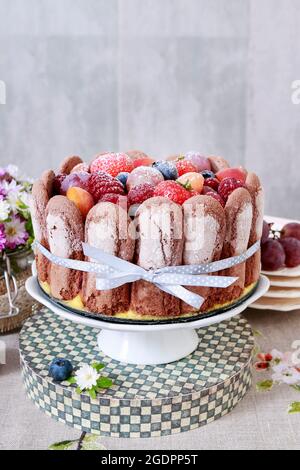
(212, 183)
(173, 191)
(227, 186)
(112, 163)
(140, 193)
(115, 199)
(102, 183)
(216, 196)
(58, 180)
(185, 166)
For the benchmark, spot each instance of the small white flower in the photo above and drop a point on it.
(12, 170)
(86, 377)
(284, 373)
(4, 210)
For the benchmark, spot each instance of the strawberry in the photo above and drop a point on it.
(227, 186)
(173, 191)
(140, 193)
(115, 199)
(185, 166)
(112, 163)
(102, 183)
(216, 196)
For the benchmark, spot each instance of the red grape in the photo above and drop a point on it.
(272, 255)
(78, 180)
(291, 247)
(291, 230)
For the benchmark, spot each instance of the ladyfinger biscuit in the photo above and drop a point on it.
(218, 164)
(107, 228)
(69, 163)
(160, 243)
(204, 232)
(48, 179)
(238, 212)
(65, 235)
(39, 201)
(253, 265)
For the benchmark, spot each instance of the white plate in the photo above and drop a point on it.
(279, 223)
(282, 305)
(280, 281)
(146, 344)
(283, 293)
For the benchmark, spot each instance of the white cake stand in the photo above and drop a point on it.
(146, 344)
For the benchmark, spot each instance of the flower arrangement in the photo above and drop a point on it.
(16, 231)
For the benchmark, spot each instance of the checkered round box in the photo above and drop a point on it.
(145, 401)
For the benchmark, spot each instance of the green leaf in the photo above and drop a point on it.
(258, 333)
(71, 380)
(264, 385)
(97, 366)
(296, 387)
(91, 442)
(64, 445)
(78, 390)
(104, 382)
(92, 392)
(294, 408)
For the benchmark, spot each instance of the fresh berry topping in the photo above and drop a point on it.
(291, 248)
(272, 255)
(81, 167)
(216, 196)
(122, 177)
(144, 174)
(199, 161)
(213, 183)
(227, 186)
(167, 169)
(112, 163)
(78, 180)
(60, 369)
(173, 191)
(208, 174)
(207, 189)
(237, 173)
(185, 166)
(102, 183)
(82, 199)
(192, 181)
(142, 162)
(58, 182)
(140, 193)
(115, 199)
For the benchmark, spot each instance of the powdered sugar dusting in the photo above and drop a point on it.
(200, 238)
(59, 236)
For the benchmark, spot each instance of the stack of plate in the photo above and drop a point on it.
(284, 293)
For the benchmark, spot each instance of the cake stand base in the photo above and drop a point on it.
(144, 400)
(148, 347)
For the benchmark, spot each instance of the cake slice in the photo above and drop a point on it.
(65, 236)
(238, 212)
(253, 265)
(204, 232)
(218, 164)
(160, 243)
(109, 229)
(39, 201)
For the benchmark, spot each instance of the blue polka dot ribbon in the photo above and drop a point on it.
(112, 272)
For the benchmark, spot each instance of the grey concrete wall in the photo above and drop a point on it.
(165, 76)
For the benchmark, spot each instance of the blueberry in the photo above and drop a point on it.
(60, 369)
(122, 177)
(208, 174)
(167, 169)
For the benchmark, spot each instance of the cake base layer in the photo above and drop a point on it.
(145, 401)
(77, 307)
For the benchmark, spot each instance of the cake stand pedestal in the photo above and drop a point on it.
(149, 344)
(145, 400)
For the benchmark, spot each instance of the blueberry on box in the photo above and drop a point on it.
(60, 369)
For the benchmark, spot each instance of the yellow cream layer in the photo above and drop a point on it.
(77, 304)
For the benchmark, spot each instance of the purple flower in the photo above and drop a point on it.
(2, 238)
(15, 232)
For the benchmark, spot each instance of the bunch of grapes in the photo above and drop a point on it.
(280, 249)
